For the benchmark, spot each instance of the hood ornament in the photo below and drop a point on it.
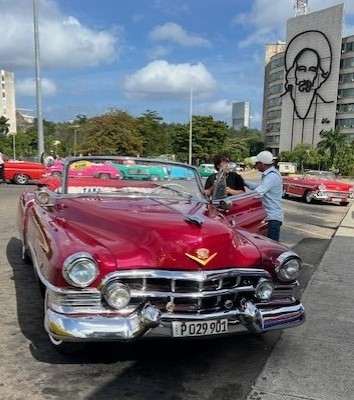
(202, 256)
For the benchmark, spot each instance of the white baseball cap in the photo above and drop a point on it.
(265, 157)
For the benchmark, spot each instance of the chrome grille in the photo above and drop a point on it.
(197, 292)
(191, 292)
(336, 194)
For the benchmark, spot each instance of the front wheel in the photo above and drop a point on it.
(308, 196)
(21, 179)
(344, 203)
(61, 346)
(154, 178)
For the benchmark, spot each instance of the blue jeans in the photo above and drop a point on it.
(274, 229)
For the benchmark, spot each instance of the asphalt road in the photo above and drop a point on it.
(216, 369)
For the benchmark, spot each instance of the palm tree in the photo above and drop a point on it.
(4, 125)
(332, 141)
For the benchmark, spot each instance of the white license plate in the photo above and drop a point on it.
(199, 328)
(336, 199)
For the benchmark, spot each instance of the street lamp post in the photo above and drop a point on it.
(38, 83)
(190, 126)
(75, 141)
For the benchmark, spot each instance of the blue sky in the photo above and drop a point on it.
(140, 55)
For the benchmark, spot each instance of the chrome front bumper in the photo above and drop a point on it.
(149, 321)
(329, 197)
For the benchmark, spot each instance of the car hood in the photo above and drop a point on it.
(146, 233)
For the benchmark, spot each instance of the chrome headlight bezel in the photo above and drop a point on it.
(289, 268)
(117, 295)
(80, 269)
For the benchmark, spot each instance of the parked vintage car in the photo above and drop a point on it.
(124, 259)
(21, 172)
(318, 185)
(141, 171)
(205, 170)
(180, 173)
(85, 168)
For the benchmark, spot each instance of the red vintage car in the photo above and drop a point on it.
(121, 259)
(318, 185)
(21, 172)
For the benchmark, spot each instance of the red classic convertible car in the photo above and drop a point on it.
(21, 172)
(125, 259)
(318, 185)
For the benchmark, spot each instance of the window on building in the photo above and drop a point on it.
(276, 101)
(278, 88)
(346, 78)
(343, 93)
(347, 62)
(349, 46)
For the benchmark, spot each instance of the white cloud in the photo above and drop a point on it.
(219, 107)
(158, 51)
(174, 33)
(27, 87)
(63, 40)
(161, 79)
(267, 22)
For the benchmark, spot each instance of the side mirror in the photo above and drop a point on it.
(225, 205)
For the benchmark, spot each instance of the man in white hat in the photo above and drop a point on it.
(270, 189)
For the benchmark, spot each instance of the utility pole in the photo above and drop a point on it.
(38, 83)
(190, 127)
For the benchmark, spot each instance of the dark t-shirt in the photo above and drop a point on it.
(233, 181)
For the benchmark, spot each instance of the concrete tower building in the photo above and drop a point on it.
(241, 115)
(309, 82)
(8, 104)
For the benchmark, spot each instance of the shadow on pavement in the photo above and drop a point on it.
(145, 369)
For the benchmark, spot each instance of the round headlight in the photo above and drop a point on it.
(289, 269)
(80, 269)
(43, 197)
(264, 290)
(117, 295)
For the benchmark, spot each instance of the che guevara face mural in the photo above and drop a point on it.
(308, 60)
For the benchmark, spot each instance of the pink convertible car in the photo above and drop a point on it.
(85, 168)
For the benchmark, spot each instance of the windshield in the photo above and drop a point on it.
(129, 176)
(320, 175)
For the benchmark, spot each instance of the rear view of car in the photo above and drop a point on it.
(21, 172)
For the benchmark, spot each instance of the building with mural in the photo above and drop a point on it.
(309, 82)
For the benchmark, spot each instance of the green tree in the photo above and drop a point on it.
(153, 134)
(331, 143)
(4, 125)
(116, 132)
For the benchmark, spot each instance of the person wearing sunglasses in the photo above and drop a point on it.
(230, 182)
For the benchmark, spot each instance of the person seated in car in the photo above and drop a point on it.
(227, 182)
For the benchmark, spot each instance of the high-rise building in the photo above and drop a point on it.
(8, 107)
(309, 82)
(241, 114)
